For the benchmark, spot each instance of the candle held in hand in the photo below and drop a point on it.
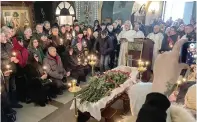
(8, 67)
(14, 54)
(69, 84)
(44, 68)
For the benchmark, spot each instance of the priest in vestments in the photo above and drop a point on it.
(125, 36)
(156, 36)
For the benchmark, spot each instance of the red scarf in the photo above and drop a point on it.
(56, 58)
(21, 53)
(170, 41)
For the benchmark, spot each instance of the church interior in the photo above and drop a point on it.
(98, 61)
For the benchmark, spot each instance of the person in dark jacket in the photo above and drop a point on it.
(55, 69)
(7, 113)
(58, 43)
(76, 69)
(106, 47)
(7, 59)
(45, 43)
(117, 29)
(39, 85)
(112, 35)
(169, 41)
(46, 27)
(96, 26)
(66, 35)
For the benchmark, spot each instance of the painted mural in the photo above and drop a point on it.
(122, 10)
(16, 16)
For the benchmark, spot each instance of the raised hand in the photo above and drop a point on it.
(167, 70)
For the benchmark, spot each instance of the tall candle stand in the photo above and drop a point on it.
(74, 89)
(142, 67)
(92, 61)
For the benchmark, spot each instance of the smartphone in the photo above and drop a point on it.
(188, 55)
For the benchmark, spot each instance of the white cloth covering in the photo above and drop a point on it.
(94, 108)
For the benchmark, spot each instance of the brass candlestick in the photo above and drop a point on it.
(92, 61)
(142, 67)
(74, 89)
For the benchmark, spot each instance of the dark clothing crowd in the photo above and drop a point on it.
(36, 64)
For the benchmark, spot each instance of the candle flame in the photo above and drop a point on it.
(147, 62)
(44, 67)
(178, 82)
(14, 53)
(184, 79)
(69, 84)
(7, 66)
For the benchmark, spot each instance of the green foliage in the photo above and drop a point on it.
(101, 86)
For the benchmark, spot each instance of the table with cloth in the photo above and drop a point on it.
(94, 109)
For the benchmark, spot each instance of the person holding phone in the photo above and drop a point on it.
(166, 72)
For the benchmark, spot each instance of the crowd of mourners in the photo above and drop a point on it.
(36, 62)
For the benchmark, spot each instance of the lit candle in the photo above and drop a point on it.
(44, 68)
(147, 63)
(61, 41)
(73, 33)
(171, 45)
(94, 58)
(8, 67)
(14, 54)
(86, 60)
(69, 84)
(67, 36)
(184, 79)
(88, 57)
(84, 43)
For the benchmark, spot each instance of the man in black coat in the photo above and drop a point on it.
(112, 35)
(106, 47)
(117, 29)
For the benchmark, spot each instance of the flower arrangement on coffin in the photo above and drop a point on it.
(102, 85)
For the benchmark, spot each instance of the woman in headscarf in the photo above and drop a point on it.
(35, 48)
(21, 53)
